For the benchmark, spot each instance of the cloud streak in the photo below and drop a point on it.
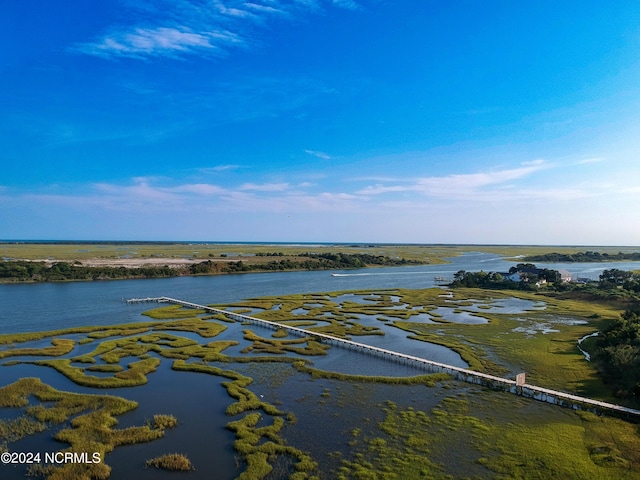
(482, 185)
(160, 41)
(146, 195)
(330, 197)
(317, 154)
(180, 28)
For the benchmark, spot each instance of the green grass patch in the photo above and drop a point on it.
(91, 428)
(490, 435)
(429, 380)
(59, 346)
(18, 428)
(135, 374)
(172, 311)
(300, 346)
(258, 446)
(175, 462)
(104, 368)
(163, 422)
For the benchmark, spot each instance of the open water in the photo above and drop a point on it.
(46, 306)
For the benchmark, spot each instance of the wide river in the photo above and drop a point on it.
(47, 306)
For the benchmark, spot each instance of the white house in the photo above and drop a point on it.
(565, 276)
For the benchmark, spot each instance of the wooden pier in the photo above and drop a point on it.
(518, 386)
(147, 300)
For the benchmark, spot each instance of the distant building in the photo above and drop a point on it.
(565, 276)
(524, 274)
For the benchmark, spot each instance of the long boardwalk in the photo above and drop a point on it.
(518, 386)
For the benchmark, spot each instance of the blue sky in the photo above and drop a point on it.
(418, 121)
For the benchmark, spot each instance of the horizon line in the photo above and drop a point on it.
(294, 242)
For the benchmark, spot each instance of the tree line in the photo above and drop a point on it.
(61, 271)
(319, 261)
(23, 271)
(584, 257)
(617, 355)
(611, 282)
(495, 280)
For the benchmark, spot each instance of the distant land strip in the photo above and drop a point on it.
(584, 257)
(47, 271)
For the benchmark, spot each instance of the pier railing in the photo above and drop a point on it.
(147, 300)
(518, 386)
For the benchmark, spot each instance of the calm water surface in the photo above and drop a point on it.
(46, 306)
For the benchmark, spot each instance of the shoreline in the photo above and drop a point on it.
(95, 269)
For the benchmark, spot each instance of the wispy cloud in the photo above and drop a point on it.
(320, 155)
(219, 168)
(380, 189)
(149, 197)
(468, 185)
(473, 181)
(349, 4)
(160, 41)
(587, 161)
(178, 28)
(199, 189)
(265, 187)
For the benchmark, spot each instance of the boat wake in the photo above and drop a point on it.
(371, 274)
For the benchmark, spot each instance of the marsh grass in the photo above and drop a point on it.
(104, 368)
(40, 471)
(18, 428)
(83, 252)
(345, 329)
(135, 374)
(95, 331)
(189, 324)
(162, 422)
(172, 311)
(280, 333)
(119, 332)
(259, 446)
(91, 420)
(196, 325)
(236, 388)
(560, 444)
(59, 347)
(500, 347)
(175, 462)
(112, 351)
(494, 437)
(300, 346)
(429, 380)
(402, 450)
(550, 360)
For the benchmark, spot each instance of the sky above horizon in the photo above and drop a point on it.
(409, 121)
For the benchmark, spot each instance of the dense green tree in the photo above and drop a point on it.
(583, 257)
(614, 278)
(617, 355)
